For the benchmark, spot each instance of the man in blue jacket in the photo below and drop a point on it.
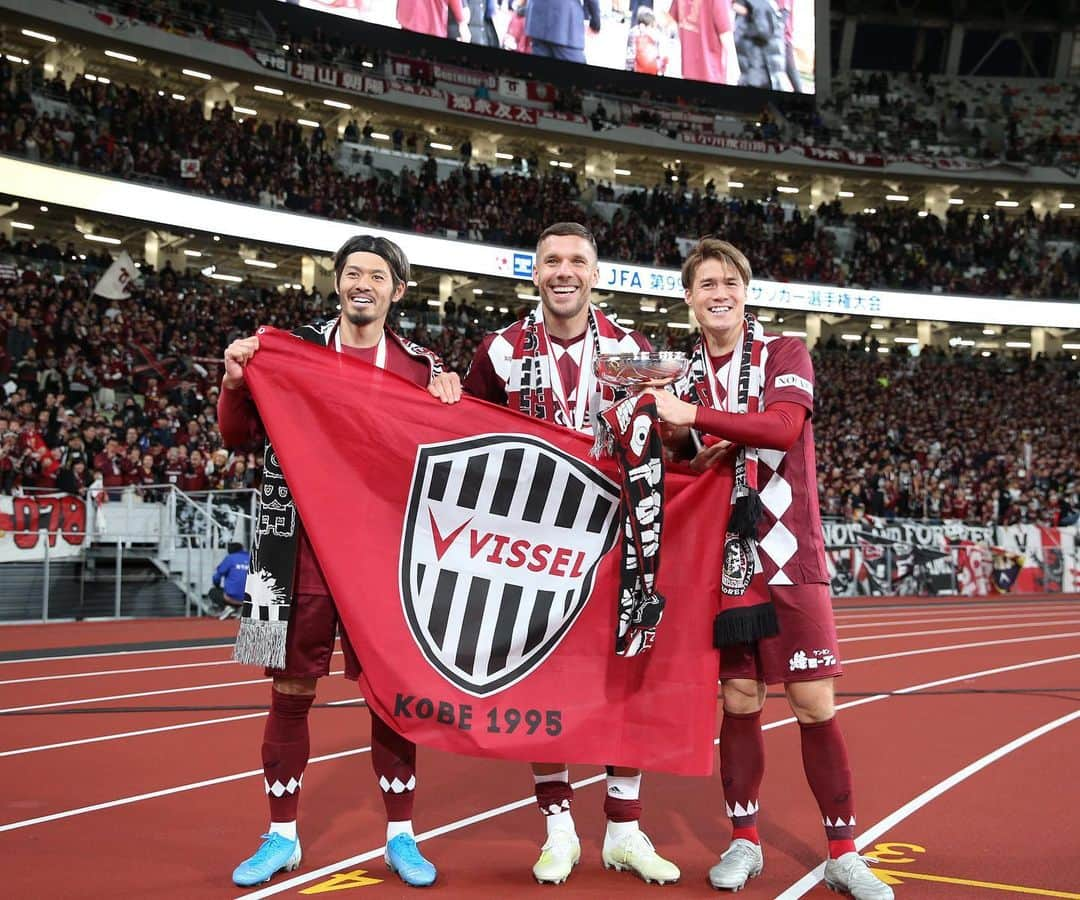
(233, 571)
(557, 27)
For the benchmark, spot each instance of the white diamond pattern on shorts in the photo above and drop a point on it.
(397, 786)
(776, 496)
(280, 790)
(779, 544)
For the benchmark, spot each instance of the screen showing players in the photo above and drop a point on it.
(754, 43)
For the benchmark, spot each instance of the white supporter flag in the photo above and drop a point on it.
(513, 87)
(118, 279)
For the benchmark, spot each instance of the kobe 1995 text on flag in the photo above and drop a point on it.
(473, 556)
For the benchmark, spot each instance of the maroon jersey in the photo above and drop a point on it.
(790, 541)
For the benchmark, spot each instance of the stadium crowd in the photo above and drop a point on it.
(131, 133)
(110, 394)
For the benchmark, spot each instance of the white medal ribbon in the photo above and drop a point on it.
(585, 380)
(380, 350)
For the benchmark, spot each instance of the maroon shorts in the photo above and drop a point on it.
(806, 648)
(309, 642)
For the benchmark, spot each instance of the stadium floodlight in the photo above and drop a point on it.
(24, 226)
(1070, 346)
(923, 213)
(553, 162)
(1066, 206)
(851, 337)
(1018, 345)
(194, 253)
(989, 332)
(44, 208)
(245, 110)
(882, 349)
(956, 201)
(798, 334)
(478, 291)
(734, 185)
(623, 321)
(307, 123)
(195, 73)
(40, 35)
(524, 296)
(379, 136)
(412, 284)
(897, 198)
(16, 59)
(102, 239)
(180, 97)
(905, 340)
(263, 89)
(501, 155)
(566, 165)
(683, 325)
(367, 64)
(845, 195)
(260, 263)
(787, 189)
(434, 303)
(221, 276)
(89, 76)
(489, 309)
(126, 57)
(1008, 204)
(437, 146)
(622, 171)
(337, 104)
(877, 326)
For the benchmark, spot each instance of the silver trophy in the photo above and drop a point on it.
(636, 371)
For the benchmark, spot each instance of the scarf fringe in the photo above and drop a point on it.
(261, 643)
(746, 513)
(745, 625)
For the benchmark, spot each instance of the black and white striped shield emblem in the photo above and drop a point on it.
(501, 542)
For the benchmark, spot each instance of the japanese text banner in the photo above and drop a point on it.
(470, 553)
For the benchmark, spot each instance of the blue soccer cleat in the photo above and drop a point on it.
(404, 857)
(276, 853)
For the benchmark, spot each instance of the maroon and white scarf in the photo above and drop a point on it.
(746, 612)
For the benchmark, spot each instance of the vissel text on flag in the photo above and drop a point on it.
(119, 278)
(470, 553)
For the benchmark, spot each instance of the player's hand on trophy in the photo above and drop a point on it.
(446, 387)
(237, 355)
(670, 408)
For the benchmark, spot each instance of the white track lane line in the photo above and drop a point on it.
(847, 662)
(980, 617)
(905, 634)
(330, 869)
(163, 728)
(973, 608)
(809, 881)
(107, 653)
(461, 823)
(92, 673)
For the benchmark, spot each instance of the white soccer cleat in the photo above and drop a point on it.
(850, 874)
(560, 853)
(634, 852)
(741, 861)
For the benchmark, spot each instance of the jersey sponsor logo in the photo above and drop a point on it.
(795, 381)
(502, 538)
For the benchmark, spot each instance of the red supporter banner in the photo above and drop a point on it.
(493, 109)
(576, 118)
(473, 555)
(419, 90)
(848, 157)
(423, 70)
(30, 525)
(328, 76)
(726, 142)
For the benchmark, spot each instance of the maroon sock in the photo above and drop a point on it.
(554, 797)
(285, 750)
(394, 759)
(825, 761)
(742, 766)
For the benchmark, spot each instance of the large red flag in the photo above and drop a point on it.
(473, 554)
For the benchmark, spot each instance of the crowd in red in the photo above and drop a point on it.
(112, 394)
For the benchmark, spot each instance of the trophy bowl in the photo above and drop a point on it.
(641, 370)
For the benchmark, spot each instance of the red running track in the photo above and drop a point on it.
(962, 718)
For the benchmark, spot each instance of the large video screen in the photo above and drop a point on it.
(753, 43)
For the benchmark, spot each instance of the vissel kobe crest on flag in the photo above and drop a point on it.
(502, 537)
